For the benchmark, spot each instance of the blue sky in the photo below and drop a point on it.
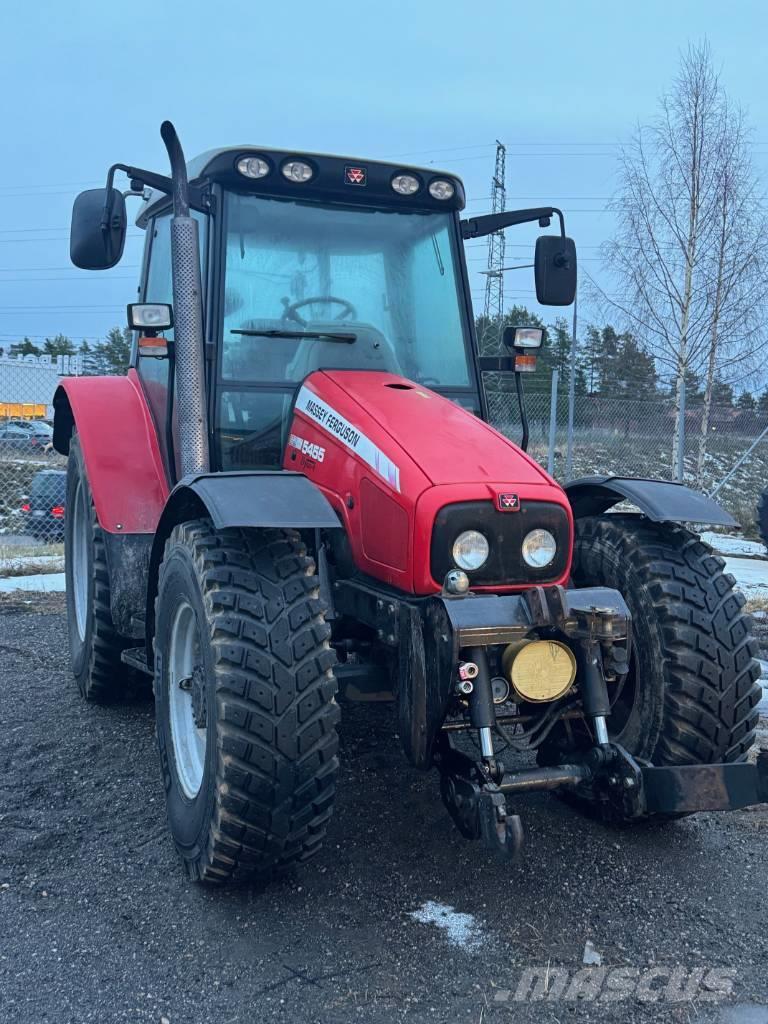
(561, 83)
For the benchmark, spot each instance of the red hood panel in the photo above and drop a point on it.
(449, 444)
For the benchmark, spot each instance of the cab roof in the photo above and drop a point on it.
(348, 180)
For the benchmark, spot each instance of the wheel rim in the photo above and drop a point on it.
(186, 700)
(79, 558)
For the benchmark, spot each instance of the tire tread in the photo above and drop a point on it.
(711, 672)
(275, 769)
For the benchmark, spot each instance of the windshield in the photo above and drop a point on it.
(333, 287)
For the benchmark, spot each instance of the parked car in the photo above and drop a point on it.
(30, 437)
(44, 510)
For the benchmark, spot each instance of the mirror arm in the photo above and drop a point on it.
(476, 227)
(140, 179)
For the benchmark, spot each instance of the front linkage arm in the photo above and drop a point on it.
(618, 786)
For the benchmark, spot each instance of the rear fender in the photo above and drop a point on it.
(660, 500)
(119, 444)
(252, 499)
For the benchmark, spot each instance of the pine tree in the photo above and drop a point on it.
(116, 351)
(25, 348)
(60, 345)
(722, 395)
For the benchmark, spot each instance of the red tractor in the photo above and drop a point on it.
(295, 491)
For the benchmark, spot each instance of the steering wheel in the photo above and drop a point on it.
(290, 312)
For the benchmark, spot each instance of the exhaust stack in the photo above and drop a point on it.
(188, 316)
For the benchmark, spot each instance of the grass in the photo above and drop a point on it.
(12, 552)
(29, 560)
(31, 568)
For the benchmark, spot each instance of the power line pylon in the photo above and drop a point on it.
(493, 310)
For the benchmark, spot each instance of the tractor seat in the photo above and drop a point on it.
(371, 351)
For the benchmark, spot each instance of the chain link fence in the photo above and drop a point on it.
(32, 474)
(635, 437)
(622, 436)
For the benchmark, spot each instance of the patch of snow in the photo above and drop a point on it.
(49, 581)
(591, 957)
(751, 576)
(461, 930)
(730, 544)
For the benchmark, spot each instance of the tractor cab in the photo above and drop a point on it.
(311, 263)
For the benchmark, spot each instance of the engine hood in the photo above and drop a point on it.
(448, 443)
(394, 459)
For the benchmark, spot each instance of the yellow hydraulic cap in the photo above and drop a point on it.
(539, 670)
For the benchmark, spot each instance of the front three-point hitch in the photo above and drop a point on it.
(475, 791)
(616, 785)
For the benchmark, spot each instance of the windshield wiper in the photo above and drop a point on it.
(339, 336)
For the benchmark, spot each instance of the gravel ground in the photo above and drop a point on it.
(97, 922)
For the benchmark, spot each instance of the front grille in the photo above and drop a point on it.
(504, 532)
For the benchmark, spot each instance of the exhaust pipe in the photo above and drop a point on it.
(188, 317)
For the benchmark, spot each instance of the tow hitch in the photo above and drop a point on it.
(616, 786)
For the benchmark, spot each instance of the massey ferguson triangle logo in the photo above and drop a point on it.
(355, 175)
(509, 503)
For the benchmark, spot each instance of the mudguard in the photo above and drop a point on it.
(267, 498)
(251, 498)
(119, 444)
(660, 500)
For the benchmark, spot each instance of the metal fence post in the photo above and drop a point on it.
(571, 400)
(552, 424)
(681, 438)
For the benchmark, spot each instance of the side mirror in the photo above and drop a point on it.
(555, 270)
(99, 225)
(523, 337)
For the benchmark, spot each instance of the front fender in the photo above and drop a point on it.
(660, 500)
(248, 499)
(119, 444)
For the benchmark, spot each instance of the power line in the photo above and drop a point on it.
(15, 270)
(76, 280)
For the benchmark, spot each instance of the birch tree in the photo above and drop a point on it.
(684, 189)
(737, 273)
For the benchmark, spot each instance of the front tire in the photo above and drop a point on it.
(95, 645)
(244, 689)
(692, 691)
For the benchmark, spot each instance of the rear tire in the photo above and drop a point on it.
(250, 786)
(692, 690)
(95, 645)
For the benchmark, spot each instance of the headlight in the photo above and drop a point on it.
(539, 548)
(405, 184)
(296, 170)
(440, 189)
(253, 167)
(470, 550)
